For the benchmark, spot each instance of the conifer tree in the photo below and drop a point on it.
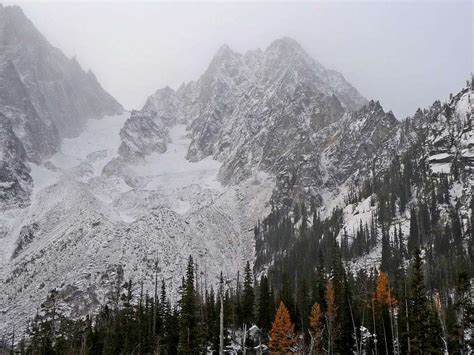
(331, 313)
(382, 295)
(465, 314)
(418, 307)
(343, 334)
(413, 237)
(282, 335)
(248, 296)
(287, 295)
(189, 334)
(316, 322)
(265, 305)
(383, 303)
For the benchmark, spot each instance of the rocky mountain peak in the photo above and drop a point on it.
(164, 106)
(288, 53)
(373, 111)
(285, 44)
(17, 29)
(75, 96)
(225, 63)
(224, 52)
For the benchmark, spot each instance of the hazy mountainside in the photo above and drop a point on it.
(145, 182)
(39, 136)
(255, 91)
(43, 95)
(59, 89)
(270, 111)
(15, 181)
(133, 195)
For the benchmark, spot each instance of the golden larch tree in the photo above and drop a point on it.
(316, 328)
(382, 295)
(282, 335)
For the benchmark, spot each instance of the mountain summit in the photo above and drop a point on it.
(228, 168)
(61, 92)
(258, 111)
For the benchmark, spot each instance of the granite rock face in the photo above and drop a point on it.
(39, 136)
(15, 180)
(141, 135)
(277, 111)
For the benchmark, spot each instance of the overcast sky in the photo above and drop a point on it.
(405, 54)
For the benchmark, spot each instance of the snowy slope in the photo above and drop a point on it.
(192, 173)
(84, 226)
(447, 130)
(44, 96)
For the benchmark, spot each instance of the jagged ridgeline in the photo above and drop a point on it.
(45, 97)
(190, 173)
(337, 189)
(420, 198)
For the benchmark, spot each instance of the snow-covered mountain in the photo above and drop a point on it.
(44, 96)
(440, 138)
(84, 225)
(259, 111)
(93, 202)
(150, 188)
(61, 92)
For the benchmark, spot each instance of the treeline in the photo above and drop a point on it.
(336, 313)
(306, 293)
(412, 210)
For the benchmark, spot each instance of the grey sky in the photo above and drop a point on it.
(405, 54)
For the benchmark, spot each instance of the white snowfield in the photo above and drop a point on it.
(83, 227)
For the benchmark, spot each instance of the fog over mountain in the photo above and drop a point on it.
(398, 52)
(268, 204)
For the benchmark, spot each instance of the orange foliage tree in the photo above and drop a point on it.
(316, 324)
(382, 295)
(382, 310)
(282, 334)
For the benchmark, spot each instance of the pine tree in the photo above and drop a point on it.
(287, 295)
(465, 313)
(282, 335)
(189, 334)
(386, 252)
(418, 307)
(382, 296)
(413, 237)
(304, 308)
(343, 334)
(331, 313)
(383, 303)
(265, 308)
(248, 296)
